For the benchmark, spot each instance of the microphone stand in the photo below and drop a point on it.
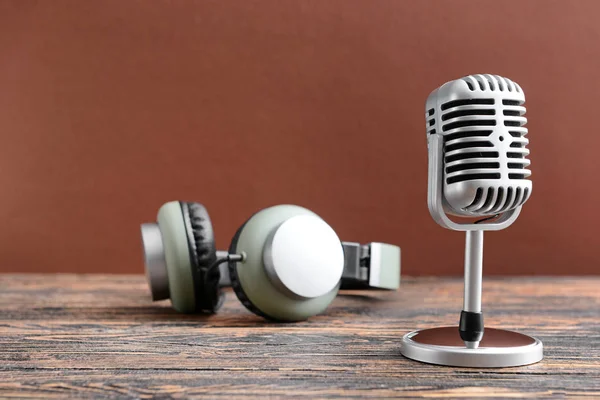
(471, 318)
(467, 346)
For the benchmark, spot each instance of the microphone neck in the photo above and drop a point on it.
(471, 319)
(473, 270)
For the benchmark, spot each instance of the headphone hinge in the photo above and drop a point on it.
(356, 265)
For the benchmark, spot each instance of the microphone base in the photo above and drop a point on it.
(498, 348)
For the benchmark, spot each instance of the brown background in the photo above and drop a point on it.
(110, 108)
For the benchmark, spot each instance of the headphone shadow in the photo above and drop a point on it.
(230, 315)
(369, 298)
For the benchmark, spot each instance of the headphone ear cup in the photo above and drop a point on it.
(202, 253)
(249, 279)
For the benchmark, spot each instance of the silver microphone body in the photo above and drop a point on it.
(480, 119)
(478, 168)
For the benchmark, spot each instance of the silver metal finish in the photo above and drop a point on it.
(499, 348)
(356, 257)
(303, 257)
(155, 263)
(473, 271)
(471, 345)
(485, 165)
(478, 167)
(435, 194)
(222, 254)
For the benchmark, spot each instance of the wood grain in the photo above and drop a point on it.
(100, 336)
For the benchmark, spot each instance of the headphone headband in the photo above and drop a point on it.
(368, 266)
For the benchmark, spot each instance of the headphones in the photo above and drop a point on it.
(284, 263)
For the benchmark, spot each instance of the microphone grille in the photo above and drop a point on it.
(487, 82)
(481, 118)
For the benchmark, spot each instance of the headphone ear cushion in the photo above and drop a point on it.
(203, 254)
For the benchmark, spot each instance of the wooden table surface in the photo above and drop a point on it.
(101, 336)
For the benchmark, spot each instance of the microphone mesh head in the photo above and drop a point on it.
(481, 118)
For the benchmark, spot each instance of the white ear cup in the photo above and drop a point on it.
(254, 282)
(177, 257)
(304, 257)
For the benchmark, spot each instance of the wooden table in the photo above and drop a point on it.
(98, 335)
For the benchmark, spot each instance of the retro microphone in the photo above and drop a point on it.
(478, 172)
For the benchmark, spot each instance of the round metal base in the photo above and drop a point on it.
(499, 348)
